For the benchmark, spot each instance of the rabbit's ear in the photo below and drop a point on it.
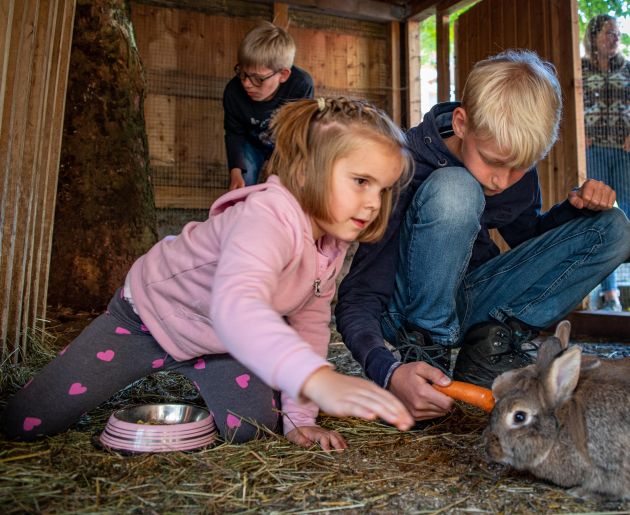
(504, 382)
(548, 350)
(563, 332)
(562, 376)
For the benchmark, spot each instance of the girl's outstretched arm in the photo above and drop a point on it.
(347, 396)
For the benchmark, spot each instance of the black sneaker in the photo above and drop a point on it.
(491, 348)
(415, 344)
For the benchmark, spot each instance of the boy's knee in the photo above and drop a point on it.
(453, 193)
(617, 226)
(619, 229)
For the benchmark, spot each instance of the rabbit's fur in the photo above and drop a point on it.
(565, 419)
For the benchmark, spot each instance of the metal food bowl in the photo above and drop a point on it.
(159, 428)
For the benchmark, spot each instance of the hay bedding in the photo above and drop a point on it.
(435, 469)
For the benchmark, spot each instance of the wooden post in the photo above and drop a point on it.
(34, 50)
(443, 66)
(412, 54)
(281, 15)
(394, 56)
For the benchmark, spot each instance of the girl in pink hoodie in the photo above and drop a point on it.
(240, 303)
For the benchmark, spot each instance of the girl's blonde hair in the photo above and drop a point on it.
(514, 99)
(268, 46)
(311, 135)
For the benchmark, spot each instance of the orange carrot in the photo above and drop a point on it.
(468, 393)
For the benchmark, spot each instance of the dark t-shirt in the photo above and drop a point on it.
(246, 120)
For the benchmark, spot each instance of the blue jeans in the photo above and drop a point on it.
(612, 166)
(538, 282)
(254, 158)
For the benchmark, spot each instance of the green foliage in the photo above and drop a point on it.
(586, 10)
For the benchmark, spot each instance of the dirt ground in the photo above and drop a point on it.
(435, 468)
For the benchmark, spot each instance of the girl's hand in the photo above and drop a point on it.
(346, 396)
(306, 436)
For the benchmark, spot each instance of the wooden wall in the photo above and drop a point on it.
(545, 27)
(189, 56)
(34, 56)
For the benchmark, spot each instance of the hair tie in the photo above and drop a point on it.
(321, 103)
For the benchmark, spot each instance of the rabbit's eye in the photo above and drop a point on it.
(519, 417)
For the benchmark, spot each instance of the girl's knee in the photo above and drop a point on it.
(236, 429)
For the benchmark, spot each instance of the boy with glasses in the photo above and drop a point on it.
(265, 78)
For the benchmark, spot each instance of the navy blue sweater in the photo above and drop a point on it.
(365, 291)
(246, 120)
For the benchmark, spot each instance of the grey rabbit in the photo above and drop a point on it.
(566, 419)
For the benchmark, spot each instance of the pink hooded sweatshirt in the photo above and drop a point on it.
(249, 281)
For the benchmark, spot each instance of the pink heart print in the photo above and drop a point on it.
(144, 328)
(106, 355)
(200, 364)
(77, 389)
(31, 423)
(157, 363)
(233, 421)
(122, 330)
(243, 381)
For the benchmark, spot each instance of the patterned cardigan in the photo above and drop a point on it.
(607, 102)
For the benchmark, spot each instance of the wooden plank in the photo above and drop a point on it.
(185, 197)
(12, 145)
(43, 30)
(412, 56)
(6, 27)
(281, 15)
(523, 24)
(508, 23)
(565, 56)
(394, 59)
(160, 116)
(198, 132)
(497, 31)
(442, 48)
(55, 109)
(363, 9)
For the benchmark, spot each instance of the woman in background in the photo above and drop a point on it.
(606, 80)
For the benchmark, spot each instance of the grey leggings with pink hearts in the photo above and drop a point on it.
(115, 350)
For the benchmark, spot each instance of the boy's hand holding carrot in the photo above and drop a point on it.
(412, 384)
(347, 396)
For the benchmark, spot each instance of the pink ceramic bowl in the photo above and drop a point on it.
(159, 428)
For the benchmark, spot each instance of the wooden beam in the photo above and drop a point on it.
(281, 15)
(443, 65)
(394, 55)
(412, 56)
(363, 9)
(421, 9)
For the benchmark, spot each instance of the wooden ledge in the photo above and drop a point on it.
(601, 324)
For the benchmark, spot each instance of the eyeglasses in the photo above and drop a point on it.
(256, 80)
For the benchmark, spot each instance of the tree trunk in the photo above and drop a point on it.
(105, 213)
